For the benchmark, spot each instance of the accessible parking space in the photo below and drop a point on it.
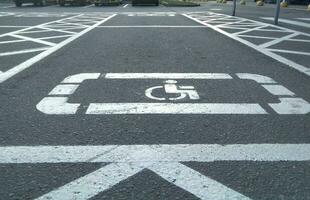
(154, 105)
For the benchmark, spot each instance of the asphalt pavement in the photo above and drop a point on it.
(154, 102)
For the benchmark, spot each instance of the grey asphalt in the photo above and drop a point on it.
(147, 50)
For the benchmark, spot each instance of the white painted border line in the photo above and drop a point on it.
(22, 52)
(155, 153)
(174, 108)
(264, 51)
(287, 21)
(13, 71)
(151, 26)
(125, 5)
(167, 76)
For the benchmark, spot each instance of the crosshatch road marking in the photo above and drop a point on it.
(164, 160)
(57, 101)
(71, 28)
(241, 29)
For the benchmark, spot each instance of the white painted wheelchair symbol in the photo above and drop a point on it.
(171, 87)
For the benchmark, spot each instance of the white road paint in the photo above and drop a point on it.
(288, 21)
(167, 76)
(174, 108)
(53, 47)
(22, 52)
(64, 89)
(199, 185)
(149, 14)
(278, 90)
(94, 183)
(171, 87)
(217, 22)
(125, 5)
(151, 26)
(155, 153)
(164, 160)
(57, 106)
(290, 52)
(256, 77)
(291, 106)
(57, 103)
(306, 19)
(79, 78)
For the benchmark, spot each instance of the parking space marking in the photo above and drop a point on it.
(164, 160)
(125, 5)
(83, 22)
(288, 21)
(57, 101)
(149, 14)
(240, 29)
(152, 26)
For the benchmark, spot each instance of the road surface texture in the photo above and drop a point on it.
(154, 102)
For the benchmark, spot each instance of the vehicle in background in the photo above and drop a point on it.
(74, 2)
(107, 2)
(19, 3)
(145, 2)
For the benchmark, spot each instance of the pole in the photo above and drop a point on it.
(276, 17)
(234, 8)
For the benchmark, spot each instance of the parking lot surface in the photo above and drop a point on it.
(154, 102)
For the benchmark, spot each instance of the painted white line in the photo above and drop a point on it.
(64, 89)
(52, 37)
(15, 26)
(258, 37)
(291, 106)
(12, 41)
(15, 70)
(36, 40)
(125, 5)
(174, 108)
(216, 9)
(256, 77)
(278, 90)
(155, 153)
(264, 51)
(167, 76)
(36, 31)
(289, 51)
(151, 26)
(164, 160)
(22, 52)
(278, 40)
(58, 30)
(195, 182)
(287, 21)
(79, 78)
(306, 19)
(94, 183)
